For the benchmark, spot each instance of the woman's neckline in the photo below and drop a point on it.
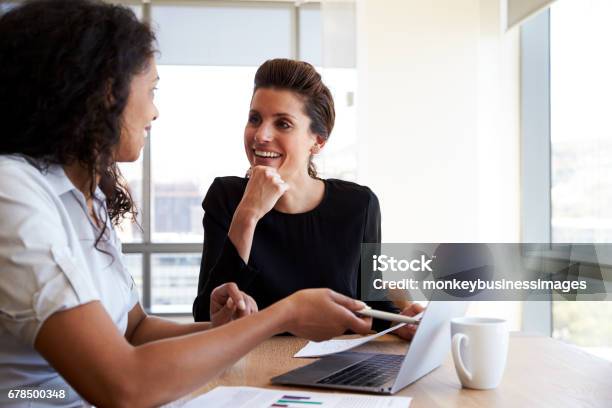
(311, 211)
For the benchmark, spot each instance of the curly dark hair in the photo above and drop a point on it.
(65, 73)
(302, 78)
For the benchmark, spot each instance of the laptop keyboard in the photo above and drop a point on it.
(372, 372)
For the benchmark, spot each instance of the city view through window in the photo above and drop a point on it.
(581, 153)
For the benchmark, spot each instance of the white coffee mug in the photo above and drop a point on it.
(479, 348)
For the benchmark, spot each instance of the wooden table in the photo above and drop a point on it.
(541, 372)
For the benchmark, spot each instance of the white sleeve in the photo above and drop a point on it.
(134, 295)
(39, 274)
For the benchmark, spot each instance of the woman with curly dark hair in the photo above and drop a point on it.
(77, 80)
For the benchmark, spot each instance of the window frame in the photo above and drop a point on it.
(536, 154)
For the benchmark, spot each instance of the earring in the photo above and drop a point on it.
(315, 149)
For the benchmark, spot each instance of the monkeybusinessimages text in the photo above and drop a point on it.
(384, 263)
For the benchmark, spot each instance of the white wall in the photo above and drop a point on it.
(438, 119)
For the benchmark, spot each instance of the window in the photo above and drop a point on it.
(581, 152)
(209, 52)
(566, 125)
(581, 132)
(174, 278)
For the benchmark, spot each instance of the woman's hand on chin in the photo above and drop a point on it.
(228, 303)
(264, 188)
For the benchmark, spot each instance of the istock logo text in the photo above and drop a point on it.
(383, 263)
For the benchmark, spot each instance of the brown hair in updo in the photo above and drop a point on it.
(301, 77)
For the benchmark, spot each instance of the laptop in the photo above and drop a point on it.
(384, 373)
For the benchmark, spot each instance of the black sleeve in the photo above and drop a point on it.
(372, 234)
(221, 262)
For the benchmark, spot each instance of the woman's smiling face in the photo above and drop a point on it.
(277, 133)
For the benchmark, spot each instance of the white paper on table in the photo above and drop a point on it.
(325, 348)
(251, 397)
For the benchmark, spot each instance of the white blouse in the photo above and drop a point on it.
(48, 263)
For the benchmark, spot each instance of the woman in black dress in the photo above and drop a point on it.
(283, 228)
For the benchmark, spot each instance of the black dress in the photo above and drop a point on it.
(316, 249)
